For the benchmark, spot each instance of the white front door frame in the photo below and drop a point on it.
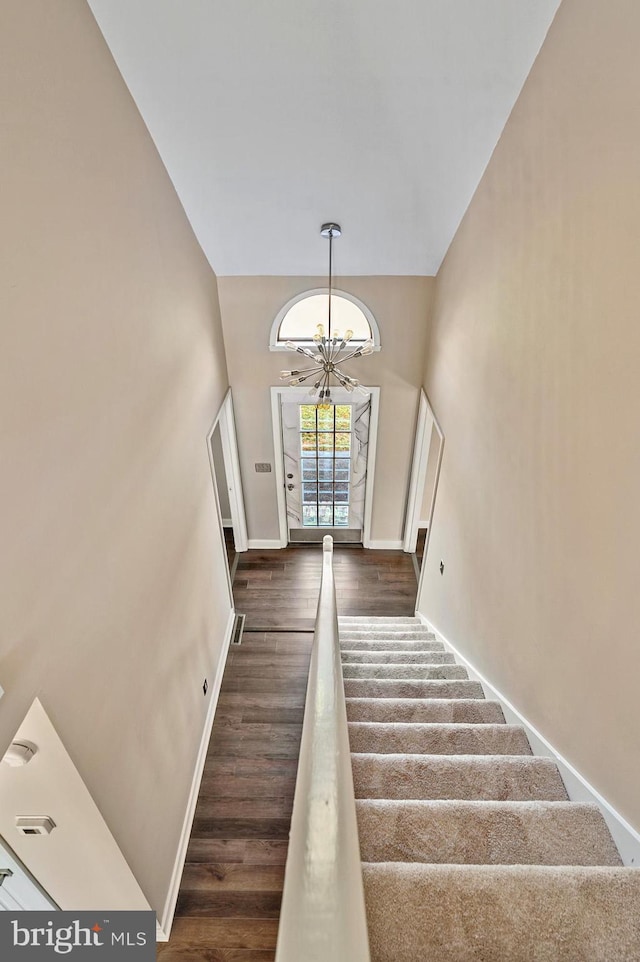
(301, 395)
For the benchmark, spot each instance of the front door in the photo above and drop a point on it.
(325, 467)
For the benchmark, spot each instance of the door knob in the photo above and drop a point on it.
(290, 487)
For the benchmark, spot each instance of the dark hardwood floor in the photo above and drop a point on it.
(422, 537)
(231, 889)
(279, 589)
(230, 547)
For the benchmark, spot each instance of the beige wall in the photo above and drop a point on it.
(113, 598)
(401, 306)
(533, 374)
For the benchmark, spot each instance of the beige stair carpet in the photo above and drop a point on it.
(445, 710)
(424, 670)
(411, 688)
(383, 656)
(483, 833)
(471, 850)
(438, 739)
(397, 644)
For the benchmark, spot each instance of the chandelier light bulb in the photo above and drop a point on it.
(320, 330)
(291, 345)
(317, 338)
(347, 336)
(367, 348)
(285, 375)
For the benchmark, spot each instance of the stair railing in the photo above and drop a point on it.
(323, 912)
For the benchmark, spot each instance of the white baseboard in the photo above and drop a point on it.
(379, 545)
(578, 788)
(265, 544)
(163, 926)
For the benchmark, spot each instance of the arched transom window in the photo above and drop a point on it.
(298, 319)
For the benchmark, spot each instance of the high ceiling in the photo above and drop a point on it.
(273, 116)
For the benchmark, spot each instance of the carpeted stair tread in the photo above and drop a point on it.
(406, 672)
(462, 913)
(471, 850)
(347, 620)
(438, 739)
(463, 777)
(484, 833)
(419, 688)
(445, 710)
(406, 632)
(390, 644)
(383, 656)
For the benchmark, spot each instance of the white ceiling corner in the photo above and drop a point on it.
(274, 117)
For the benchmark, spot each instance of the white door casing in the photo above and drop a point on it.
(226, 421)
(355, 466)
(426, 428)
(285, 403)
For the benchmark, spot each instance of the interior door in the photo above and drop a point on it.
(325, 466)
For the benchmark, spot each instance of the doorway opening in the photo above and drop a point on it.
(222, 447)
(222, 485)
(325, 456)
(423, 485)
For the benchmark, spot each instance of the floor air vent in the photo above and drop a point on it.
(238, 628)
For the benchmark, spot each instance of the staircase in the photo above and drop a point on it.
(470, 847)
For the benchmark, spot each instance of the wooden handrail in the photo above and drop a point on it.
(323, 912)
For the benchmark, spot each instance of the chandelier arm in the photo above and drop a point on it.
(322, 348)
(309, 370)
(335, 351)
(341, 346)
(306, 352)
(305, 377)
(348, 357)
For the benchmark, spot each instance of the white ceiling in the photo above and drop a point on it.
(273, 116)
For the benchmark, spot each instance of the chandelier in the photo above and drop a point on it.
(326, 371)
